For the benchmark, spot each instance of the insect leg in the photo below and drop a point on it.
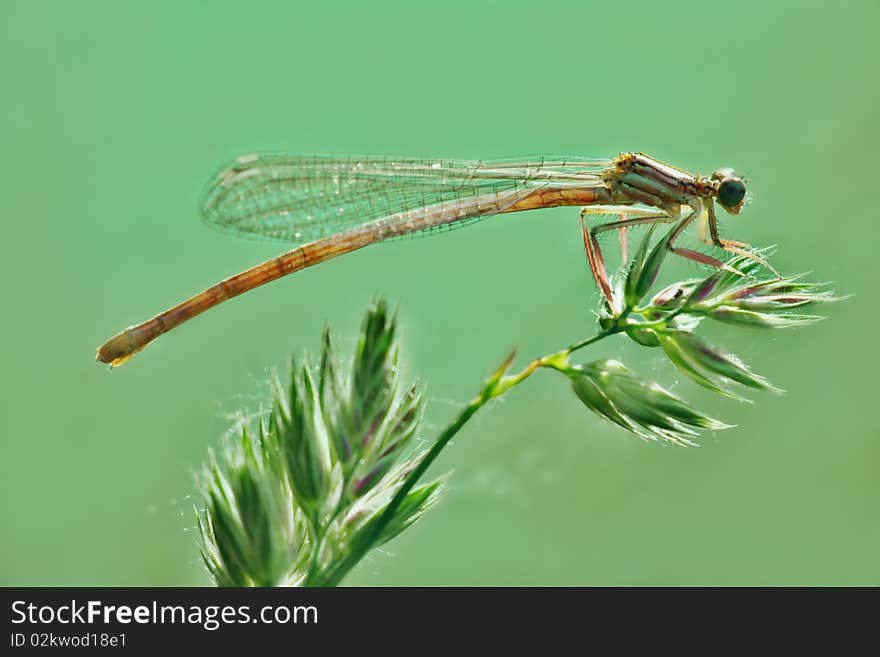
(731, 246)
(591, 244)
(690, 254)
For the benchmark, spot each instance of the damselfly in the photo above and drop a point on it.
(329, 206)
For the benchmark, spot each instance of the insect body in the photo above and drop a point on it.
(328, 206)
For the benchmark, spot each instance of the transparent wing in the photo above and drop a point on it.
(300, 198)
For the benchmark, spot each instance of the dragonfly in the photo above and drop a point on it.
(327, 206)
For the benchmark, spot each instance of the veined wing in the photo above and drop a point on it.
(301, 198)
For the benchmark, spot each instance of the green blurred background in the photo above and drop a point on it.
(112, 117)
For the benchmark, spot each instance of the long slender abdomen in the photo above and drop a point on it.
(128, 342)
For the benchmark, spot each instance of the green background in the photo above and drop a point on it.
(113, 116)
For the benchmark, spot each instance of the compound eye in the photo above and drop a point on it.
(731, 192)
